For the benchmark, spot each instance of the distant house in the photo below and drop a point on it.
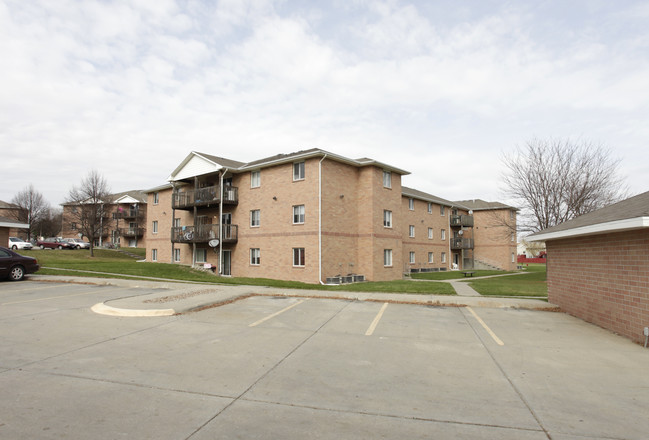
(8, 227)
(598, 266)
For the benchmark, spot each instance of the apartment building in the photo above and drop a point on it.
(310, 216)
(124, 220)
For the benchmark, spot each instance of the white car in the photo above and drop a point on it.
(18, 243)
(79, 243)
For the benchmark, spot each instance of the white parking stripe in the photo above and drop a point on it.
(486, 327)
(57, 297)
(256, 323)
(374, 323)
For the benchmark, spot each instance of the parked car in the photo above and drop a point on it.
(18, 243)
(15, 266)
(77, 243)
(54, 243)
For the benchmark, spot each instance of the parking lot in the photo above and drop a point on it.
(295, 368)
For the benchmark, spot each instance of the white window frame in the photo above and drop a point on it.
(387, 179)
(299, 171)
(443, 236)
(299, 257)
(513, 258)
(431, 257)
(255, 257)
(412, 257)
(442, 212)
(156, 198)
(154, 226)
(154, 255)
(177, 255)
(176, 222)
(411, 204)
(430, 207)
(411, 231)
(202, 252)
(255, 179)
(430, 233)
(387, 257)
(299, 214)
(443, 257)
(255, 218)
(387, 218)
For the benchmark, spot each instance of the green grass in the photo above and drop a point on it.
(453, 274)
(115, 263)
(532, 283)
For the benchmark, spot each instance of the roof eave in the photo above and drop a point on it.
(599, 228)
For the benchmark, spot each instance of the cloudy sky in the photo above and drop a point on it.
(442, 88)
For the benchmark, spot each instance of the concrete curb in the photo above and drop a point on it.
(103, 309)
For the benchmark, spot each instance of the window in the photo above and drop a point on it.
(412, 258)
(298, 214)
(154, 226)
(387, 218)
(255, 218)
(441, 210)
(411, 204)
(255, 256)
(176, 222)
(73, 226)
(156, 198)
(513, 258)
(255, 179)
(443, 234)
(154, 255)
(430, 233)
(298, 171)
(411, 231)
(298, 257)
(387, 179)
(177, 255)
(431, 257)
(511, 214)
(201, 255)
(512, 236)
(430, 208)
(443, 257)
(387, 257)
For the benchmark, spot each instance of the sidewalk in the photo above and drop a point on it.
(171, 298)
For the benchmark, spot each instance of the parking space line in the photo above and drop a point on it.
(486, 327)
(256, 323)
(374, 323)
(54, 297)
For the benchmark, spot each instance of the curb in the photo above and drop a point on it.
(103, 309)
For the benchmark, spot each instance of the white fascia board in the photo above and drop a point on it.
(126, 199)
(600, 228)
(194, 164)
(14, 225)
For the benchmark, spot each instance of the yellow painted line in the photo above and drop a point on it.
(256, 323)
(486, 327)
(53, 297)
(374, 323)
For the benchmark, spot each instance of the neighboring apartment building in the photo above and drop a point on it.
(309, 216)
(125, 220)
(10, 213)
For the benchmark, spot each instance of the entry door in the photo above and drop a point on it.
(456, 260)
(226, 269)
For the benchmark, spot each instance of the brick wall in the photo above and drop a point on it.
(420, 244)
(603, 279)
(494, 243)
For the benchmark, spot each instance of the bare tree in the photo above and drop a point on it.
(89, 200)
(554, 181)
(32, 208)
(49, 225)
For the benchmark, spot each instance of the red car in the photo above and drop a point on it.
(14, 266)
(54, 243)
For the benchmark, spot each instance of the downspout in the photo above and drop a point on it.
(320, 219)
(223, 171)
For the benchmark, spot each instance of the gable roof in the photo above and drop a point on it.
(482, 205)
(416, 194)
(6, 222)
(632, 213)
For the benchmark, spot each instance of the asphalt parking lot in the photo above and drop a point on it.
(295, 367)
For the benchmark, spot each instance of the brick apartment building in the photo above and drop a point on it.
(598, 268)
(124, 220)
(310, 216)
(11, 226)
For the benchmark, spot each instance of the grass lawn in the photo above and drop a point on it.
(453, 274)
(532, 283)
(115, 263)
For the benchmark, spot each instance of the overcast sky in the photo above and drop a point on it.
(441, 88)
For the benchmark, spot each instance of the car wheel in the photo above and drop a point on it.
(42, 247)
(59, 247)
(14, 247)
(17, 273)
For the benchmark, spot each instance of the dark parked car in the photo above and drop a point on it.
(14, 266)
(54, 243)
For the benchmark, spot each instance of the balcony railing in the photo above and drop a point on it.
(462, 220)
(209, 195)
(128, 214)
(204, 233)
(461, 243)
(131, 232)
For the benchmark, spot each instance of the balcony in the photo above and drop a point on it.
(204, 233)
(129, 214)
(461, 243)
(462, 221)
(209, 195)
(131, 232)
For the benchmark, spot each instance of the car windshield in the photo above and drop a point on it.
(16, 239)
